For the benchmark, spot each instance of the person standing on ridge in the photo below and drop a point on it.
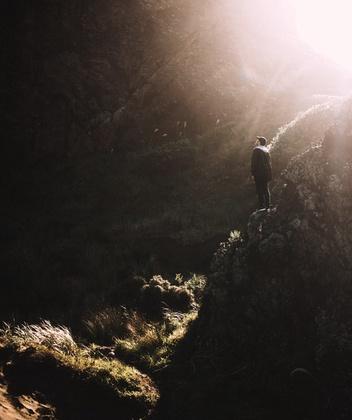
(261, 171)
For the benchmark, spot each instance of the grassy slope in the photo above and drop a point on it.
(47, 359)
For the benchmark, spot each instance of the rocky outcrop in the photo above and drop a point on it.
(279, 298)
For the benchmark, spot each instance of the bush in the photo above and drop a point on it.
(160, 293)
(101, 327)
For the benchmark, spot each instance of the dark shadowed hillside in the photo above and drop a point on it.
(128, 128)
(273, 338)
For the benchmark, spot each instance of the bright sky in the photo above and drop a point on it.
(327, 26)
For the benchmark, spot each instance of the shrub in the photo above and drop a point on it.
(160, 293)
(101, 327)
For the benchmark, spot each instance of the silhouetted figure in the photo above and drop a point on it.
(261, 171)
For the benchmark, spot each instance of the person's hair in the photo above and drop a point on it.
(262, 141)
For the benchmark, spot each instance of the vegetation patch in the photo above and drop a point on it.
(46, 358)
(150, 345)
(148, 336)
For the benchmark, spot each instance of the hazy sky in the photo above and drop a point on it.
(327, 26)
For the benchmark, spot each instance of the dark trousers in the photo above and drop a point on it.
(263, 192)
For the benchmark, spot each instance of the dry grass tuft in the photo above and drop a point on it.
(56, 338)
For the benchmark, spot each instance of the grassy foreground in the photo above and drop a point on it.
(46, 358)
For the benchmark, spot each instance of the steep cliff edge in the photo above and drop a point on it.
(273, 339)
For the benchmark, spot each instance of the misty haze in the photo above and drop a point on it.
(176, 210)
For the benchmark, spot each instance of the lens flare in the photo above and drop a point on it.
(326, 25)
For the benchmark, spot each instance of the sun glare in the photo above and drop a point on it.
(327, 26)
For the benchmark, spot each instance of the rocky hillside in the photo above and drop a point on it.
(273, 339)
(128, 129)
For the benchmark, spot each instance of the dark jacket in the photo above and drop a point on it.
(261, 163)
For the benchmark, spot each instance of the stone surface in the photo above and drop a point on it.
(278, 298)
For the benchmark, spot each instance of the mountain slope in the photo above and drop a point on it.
(129, 129)
(273, 339)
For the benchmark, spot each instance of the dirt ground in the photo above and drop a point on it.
(23, 407)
